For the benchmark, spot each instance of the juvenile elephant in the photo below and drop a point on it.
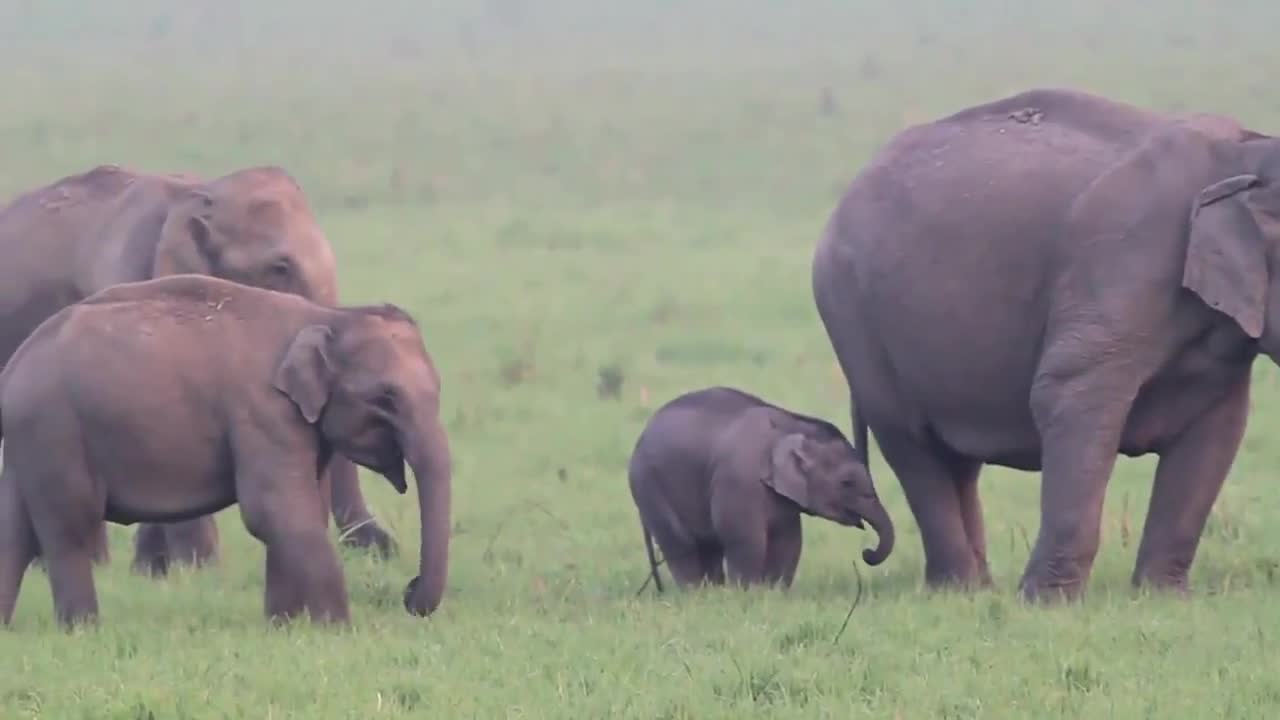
(65, 241)
(721, 477)
(1043, 282)
(128, 408)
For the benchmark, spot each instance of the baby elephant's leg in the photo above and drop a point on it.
(712, 563)
(784, 552)
(745, 560)
(745, 550)
(683, 559)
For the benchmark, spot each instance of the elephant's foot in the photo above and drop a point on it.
(961, 572)
(984, 575)
(1169, 576)
(1053, 584)
(304, 577)
(957, 583)
(368, 535)
(75, 600)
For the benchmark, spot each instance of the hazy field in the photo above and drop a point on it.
(566, 192)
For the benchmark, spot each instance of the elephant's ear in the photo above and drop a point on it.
(186, 238)
(305, 373)
(787, 473)
(1226, 264)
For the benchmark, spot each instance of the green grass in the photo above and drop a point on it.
(574, 188)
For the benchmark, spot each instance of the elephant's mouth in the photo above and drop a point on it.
(847, 516)
(393, 471)
(389, 464)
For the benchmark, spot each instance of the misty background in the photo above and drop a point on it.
(578, 101)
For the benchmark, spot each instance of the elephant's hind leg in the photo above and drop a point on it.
(17, 544)
(941, 492)
(975, 528)
(1189, 477)
(684, 560)
(67, 529)
(712, 555)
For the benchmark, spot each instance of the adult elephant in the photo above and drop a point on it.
(64, 241)
(1043, 282)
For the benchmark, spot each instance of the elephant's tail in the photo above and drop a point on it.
(860, 439)
(1, 414)
(653, 558)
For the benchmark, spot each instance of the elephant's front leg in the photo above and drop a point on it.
(783, 553)
(284, 511)
(745, 541)
(356, 525)
(1080, 418)
(746, 559)
(1188, 479)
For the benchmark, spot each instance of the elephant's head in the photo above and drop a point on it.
(1233, 248)
(366, 381)
(825, 478)
(254, 227)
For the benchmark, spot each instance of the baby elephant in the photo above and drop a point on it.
(720, 477)
(169, 399)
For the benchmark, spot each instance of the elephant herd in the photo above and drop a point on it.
(1041, 282)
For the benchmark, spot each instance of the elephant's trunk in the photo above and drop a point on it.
(879, 520)
(432, 469)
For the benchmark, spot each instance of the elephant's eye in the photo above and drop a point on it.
(386, 400)
(281, 268)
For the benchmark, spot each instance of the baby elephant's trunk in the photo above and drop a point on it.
(878, 518)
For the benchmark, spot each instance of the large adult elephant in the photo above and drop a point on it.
(1043, 282)
(64, 241)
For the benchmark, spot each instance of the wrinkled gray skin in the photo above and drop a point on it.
(126, 408)
(721, 477)
(67, 240)
(1043, 282)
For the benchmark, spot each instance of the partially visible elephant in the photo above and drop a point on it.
(1044, 282)
(65, 241)
(127, 407)
(720, 478)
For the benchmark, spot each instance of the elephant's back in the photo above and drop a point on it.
(674, 447)
(935, 268)
(41, 234)
(76, 192)
(980, 191)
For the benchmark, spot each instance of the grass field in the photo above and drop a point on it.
(567, 193)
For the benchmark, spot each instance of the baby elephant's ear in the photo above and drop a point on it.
(784, 474)
(306, 372)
